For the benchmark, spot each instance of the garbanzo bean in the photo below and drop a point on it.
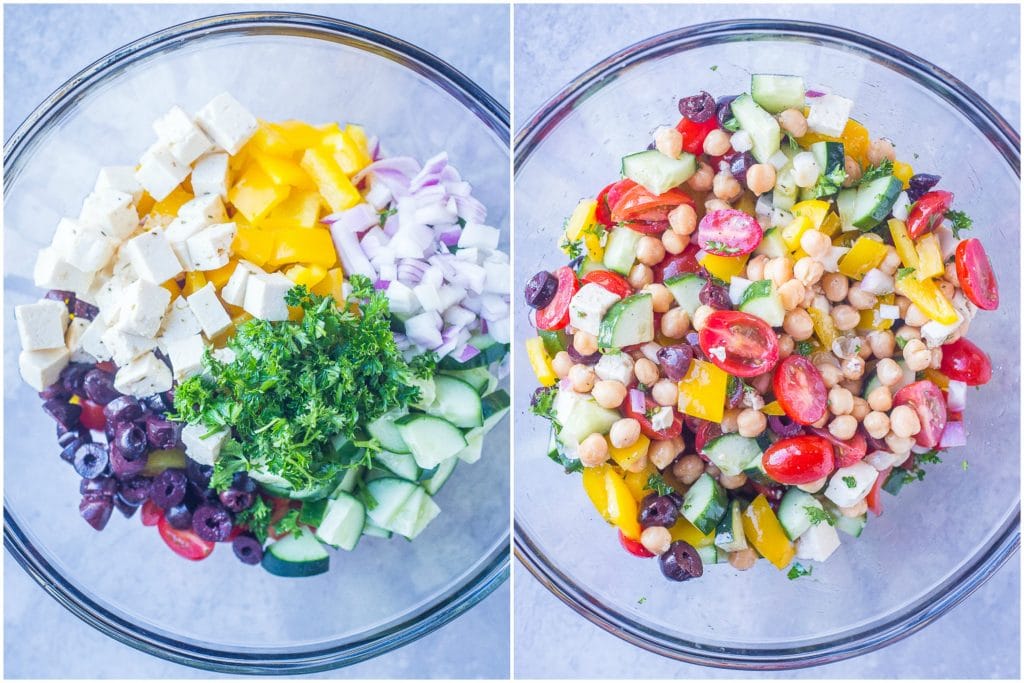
(665, 392)
(624, 432)
(674, 243)
(916, 355)
(593, 451)
(646, 371)
(798, 324)
(649, 250)
(717, 143)
(683, 219)
(703, 179)
(793, 122)
(582, 378)
(835, 286)
(562, 363)
(640, 276)
(688, 468)
(751, 423)
(661, 297)
(761, 178)
(726, 187)
(609, 393)
(808, 271)
(656, 539)
(675, 323)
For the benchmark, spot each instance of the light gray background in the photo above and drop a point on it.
(553, 45)
(43, 47)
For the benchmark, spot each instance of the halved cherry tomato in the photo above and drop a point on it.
(151, 513)
(107, 366)
(638, 204)
(694, 133)
(705, 432)
(670, 432)
(963, 361)
(92, 415)
(974, 271)
(739, 343)
(800, 390)
(874, 497)
(184, 542)
(602, 212)
(677, 264)
(928, 212)
(555, 315)
(634, 547)
(613, 193)
(613, 282)
(728, 232)
(799, 460)
(927, 400)
(846, 452)
(279, 507)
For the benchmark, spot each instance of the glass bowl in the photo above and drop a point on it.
(220, 614)
(941, 538)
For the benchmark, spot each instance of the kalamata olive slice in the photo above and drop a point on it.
(681, 562)
(675, 361)
(658, 510)
(540, 290)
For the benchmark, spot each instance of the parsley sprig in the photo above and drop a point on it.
(883, 169)
(960, 220)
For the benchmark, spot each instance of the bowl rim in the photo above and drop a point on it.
(484, 577)
(949, 593)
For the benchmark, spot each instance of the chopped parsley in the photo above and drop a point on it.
(657, 483)
(757, 290)
(641, 601)
(900, 477)
(882, 170)
(731, 124)
(829, 183)
(960, 220)
(798, 570)
(851, 482)
(386, 214)
(901, 342)
(574, 248)
(804, 348)
(791, 142)
(963, 465)
(716, 247)
(256, 518)
(904, 272)
(714, 67)
(543, 404)
(289, 524)
(818, 515)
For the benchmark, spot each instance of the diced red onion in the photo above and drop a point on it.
(450, 237)
(467, 352)
(638, 401)
(493, 307)
(350, 253)
(459, 316)
(956, 396)
(449, 175)
(470, 209)
(381, 284)
(877, 282)
(431, 168)
(358, 218)
(500, 329)
(374, 144)
(424, 331)
(953, 435)
(815, 93)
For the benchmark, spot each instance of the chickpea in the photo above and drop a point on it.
(793, 122)
(624, 432)
(854, 386)
(881, 149)
(712, 470)
(665, 392)
(880, 398)
(950, 273)
(656, 539)
(891, 263)
(840, 401)
(852, 368)
(798, 324)
(703, 179)
(640, 276)
(715, 204)
(779, 270)
(731, 420)
(673, 242)
(751, 423)
(668, 141)
(584, 342)
(593, 451)
(815, 243)
(814, 486)
(661, 297)
(947, 288)
(855, 510)
(649, 250)
(882, 343)
(792, 294)
(860, 299)
(786, 346)
(904, 421)
(561, 364)
(843, 427)
(846, 317)
(860, 408)
(726, 187)
(646, 371)
(888, 372)
(917, 355)
(675, 323)
(808, 271)
(683, 219)
(898, 444)
(732, 481)
(906, 333)
(877, 424)
(700, 317)
(662, 453)
(688, 468)
(761, 178)
(914, 317)
(609, 393)
(582, 378)
(755, 267)
(853, 171)
(743, 559)
(717, 143)
(830, 374)
(835, 286)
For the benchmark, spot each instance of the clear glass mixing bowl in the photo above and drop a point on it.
(941, 538)
(220, 614)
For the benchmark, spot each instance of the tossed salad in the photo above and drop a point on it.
(270, 335)
(762, 326)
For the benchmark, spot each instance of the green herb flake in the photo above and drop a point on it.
(904, 272)
(641, 601)
(818, 515)
(798, 570)
(757, 290)
(830, 183)
(963, 465)
(256, 518)
(731, 124)
(882, 170)
(960, 220)
(804, 348)
(386, 214)
(714, 67)
(901, 342)
(851, 482)
(657, 483)
(289, 524)
(574, 248)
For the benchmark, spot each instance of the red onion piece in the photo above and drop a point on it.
(637, 401)
(956, 396)
(953, 435)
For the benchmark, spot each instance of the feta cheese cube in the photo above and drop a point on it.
(883, 460)
(41, 325)
(264, 296)
(210, 248)
(186, 355)
(480, 236)
(91, 342)
(233, 291)
(208, 208)
(73, 340)
(936, 334)
(109, 294)
(849, 485)
(210, 175)
(179, 322)
(227, 122)
(202, 448)
(152, 257)
(588, 306)
(124, 347)
(144, 376)
(184, 138)
(82, 245)
(42, 368)
(817, 543)
(159, 172)
(119, 179)
(52, 271)
(829, 114)
(209, 311)
(615, 366)
(112, 212)
(142, 308)
(177, 234)
(498, 278)
(662, 418)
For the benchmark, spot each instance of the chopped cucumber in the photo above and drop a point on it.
(708, 554)
(658, 172)
(846, 203)
(473, 450)
(457, 402)
(294, 557)
(430, 438)
(731, 453)
(444, 471)
(772, 245)
(491, 351)
(390, 494)
(777, 93)
(686, 290)
(371, 529)
(730, 536)
(384, 430)
(793, 515)
(589, 265)
(312, 512)
(830, 156)
(786, 190)
(704, 504)
(620, 250)
(763, 301)
(755, 471)
(763, 128)
(348, 480)
(875, 200)
(404, 520)
(343, 522)
(427, 392)
(584, 417)
(852, 526)
(628, 322)
(427, 512)
(400, 464)
(481, 379)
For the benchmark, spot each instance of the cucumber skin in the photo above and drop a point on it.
(289, 569)
(492, 354)
(882, 203)
(771, 101)
(792, 517)
(715, 510)
(606, 339)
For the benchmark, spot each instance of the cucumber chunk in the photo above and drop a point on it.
(444, 471)
(763, 301)
(776, 93)
(628, 322)
(658, 172)
(793, 515)
(491, 351)
(852, 526)
(686, 290)
(846, 203)
(371, 529)
(786, 190)
(384, 430)
(708, 554)
(875, 201)
(705, 503)
(772, 245)
(457, 402)
(348, 480)
(830, 156)
(764, 130)
(620, 250)
(430, 438)
(473, 450)
(581, 417)
(343, 522)
(482, 380)
(730, 536)
(391, 494)
(731, 453)
(400, 464)
(294, 557)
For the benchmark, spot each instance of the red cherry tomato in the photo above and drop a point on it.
(963, 361)
(678, 264)
(107, 366)
(670, 432)
(185, 542)
(728, 232)
(613, 282)
(613, 193)
(846, 452)
(602, 212)
(694, 133)
(645, 211)
(928, 212)
(151, 513)
(874, 497)
(799, 460)
(739, 343)
(705, 432)
(974, 271)
(634, 547)
(92, 415)
(929, 403)
(279, 507)
(800, 390)
(555, 315)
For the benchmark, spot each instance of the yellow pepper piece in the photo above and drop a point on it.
(300, 210)
(253, 244)
(270, 139)
(624, 457)
(928, 297)
(867, 253)
(724, 267)
(146, 204)
(308, 275)
(902, 171)
(283, 171)
(814, 210)
(845, 239)
(194, 281)
(351, 157)
(824, 327)
(302, 245)
(169, 205)
(637, 481)
(773, 408)
(904, 245)
(255, 194)
(870, 320)
(594, 486)
(219, 276)
(622, 506)
(540, 361)
(337, 190)
(937, 378)
(358, 135)
(331, 285)
(702, 391)
(929, 257)
(855, 140)
(300, 135)
(172, 287)
(583, 225)
(747, 203)
(797, 227)
(831, 225)
(683, 530)
(762, 529)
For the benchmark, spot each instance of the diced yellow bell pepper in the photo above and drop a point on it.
(902, 171)
(702, 391)
(814, 210)
(583, 225)
(540, 361)
(596, 490)
(824, 327)
(219, 277)
(358, 135)
(336, 188)
(172, 287)
(762, 529)
(926, 295)
(929, 257)
(240, 317)
(792, 232)
(622, 506)
(238, 162)
(194, 281)
(302, 245)
(831, 225)
(351, 157)
(683, 530)
(283, 171)
(855, 141)
(301, 135)
(904, 245)
(637, 481)
(867, 253)
(725, 267)
(773, 408)
(146, 204)
(870, 320)
(270, 139)
(845, 239)
(937, 378)
(626, 456)
(255, 194)
(331, 285)
(253, 244)
(747, 203)
(309, 275)
(300, 210)
(169, 205)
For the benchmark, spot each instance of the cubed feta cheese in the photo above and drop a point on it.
(662, 418)
(615, 366)
(73, 340)
(179, 322)
(208, 208)
(264, 296)
(817, 543)
(849, 485)
(112, 212)
(109, 294)
(588, 306)
(227, 122)
(204, 451)
(52, 271)
(82, 245)
(498, 278)
(184, 138)
(120, 179)
(829, 114)
(159, 172)
(233, 291)
(210, 175)
(480, 236)
(210, 248)
(142, 308)
(152, 257)
(178, 233)
(41, 325)
(209, 311)
(124, 347)
(91, 342)
(42, 368)
(186, 355)
(144, 376)
(936, 334)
